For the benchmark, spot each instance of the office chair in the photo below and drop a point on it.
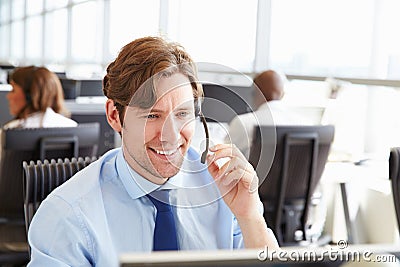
(394, 175)
(290, 175)
(42, 177)
(25, 144)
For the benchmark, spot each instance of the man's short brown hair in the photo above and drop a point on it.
(140, 61)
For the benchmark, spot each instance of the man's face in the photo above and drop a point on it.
(155, 140)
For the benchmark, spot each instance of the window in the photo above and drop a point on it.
(5, 11)
(54, 4)
(34, 7)
(4, 40)
(130, 20)
(222, 32)
(17, 41)
(84, 32)
(18, 9)
(34, 28)
(330, 37)
(56, 29)
(355, 39)
(387, 61)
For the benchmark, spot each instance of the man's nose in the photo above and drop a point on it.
(170, 131)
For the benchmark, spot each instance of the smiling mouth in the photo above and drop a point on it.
(165, 153)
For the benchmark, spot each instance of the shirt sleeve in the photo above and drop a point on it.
(57, 236)
(238, 242)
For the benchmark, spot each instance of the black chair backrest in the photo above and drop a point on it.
(394, 175)
(289, 161)
(25, 144)
(42, 177)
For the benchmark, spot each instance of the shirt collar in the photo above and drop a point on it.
(138, 186)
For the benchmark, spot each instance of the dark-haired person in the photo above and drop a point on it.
(153, 193)
(36, 99)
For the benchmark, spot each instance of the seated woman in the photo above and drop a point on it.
(36, 99)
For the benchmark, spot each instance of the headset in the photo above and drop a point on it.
(205, 152)
(199, 113)
(28, 85)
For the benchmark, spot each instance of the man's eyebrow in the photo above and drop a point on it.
(155, 110)
(141, 111)
(184, 108)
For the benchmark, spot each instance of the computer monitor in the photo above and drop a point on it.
(91, 87)
(5, 115)
(289, 256)
(75, 88)
(84, 110)
(222, 102)
(71, 88)
(5, 70)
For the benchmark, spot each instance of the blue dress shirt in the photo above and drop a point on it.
(102, 212)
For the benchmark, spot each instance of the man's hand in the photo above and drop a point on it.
(236, 180)
(238, 184)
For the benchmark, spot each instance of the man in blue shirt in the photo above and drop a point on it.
(105, 210)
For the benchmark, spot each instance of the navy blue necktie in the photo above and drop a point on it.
(165, 230)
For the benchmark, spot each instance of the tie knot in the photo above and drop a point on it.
(160, 200)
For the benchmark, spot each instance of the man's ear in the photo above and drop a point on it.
(113, 116)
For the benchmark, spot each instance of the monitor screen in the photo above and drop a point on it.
(5, 115)
(288, 256)
(222, 103)
(75, 88)
(91, 88)
(70, 88)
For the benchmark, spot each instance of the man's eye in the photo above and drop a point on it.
(184, 114)
(152, 116)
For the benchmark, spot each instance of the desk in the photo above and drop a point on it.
(370, 213)
(374, 174)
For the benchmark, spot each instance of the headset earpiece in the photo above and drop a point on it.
(198, 113)
(205, 152)
(28, 85)
(197, 107)
(28, 97)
